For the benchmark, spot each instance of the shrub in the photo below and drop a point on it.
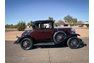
(87, 25)
(10, 26)
(21, 26)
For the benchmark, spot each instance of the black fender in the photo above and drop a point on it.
(69, 36)
(19, 39)
(73, 35)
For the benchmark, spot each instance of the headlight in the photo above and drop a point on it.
(73, 31)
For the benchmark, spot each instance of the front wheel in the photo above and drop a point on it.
(73, 42)
(27, 44)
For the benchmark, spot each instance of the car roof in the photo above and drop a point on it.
(43, 21)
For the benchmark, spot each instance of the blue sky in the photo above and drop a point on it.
(27, 10)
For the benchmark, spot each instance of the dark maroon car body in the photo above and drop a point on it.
(39, 33)
(46, 34)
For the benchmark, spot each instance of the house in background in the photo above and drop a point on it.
(83, 24)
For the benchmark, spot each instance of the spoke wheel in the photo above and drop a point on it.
(73, 42)
(59, 37)
(26, 44)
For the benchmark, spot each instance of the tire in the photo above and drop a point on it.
(59, 37)
(27, 43)
(73, 42)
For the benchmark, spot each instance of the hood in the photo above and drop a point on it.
(27, 32)
(66, 30)
(63, 28)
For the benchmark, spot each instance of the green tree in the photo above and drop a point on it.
(10, 26)
(87, 25)
(74, 21)
(58, 23)
(70, 19)
(30, 24)
(50, 18)
(21, 26)
(61, 22)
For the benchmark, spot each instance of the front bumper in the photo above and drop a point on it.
(18, 40)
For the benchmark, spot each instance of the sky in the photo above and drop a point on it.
(32, 10)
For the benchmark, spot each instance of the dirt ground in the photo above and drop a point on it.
(48, 53)
(11, 35)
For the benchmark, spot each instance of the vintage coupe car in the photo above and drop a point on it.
(44, 31)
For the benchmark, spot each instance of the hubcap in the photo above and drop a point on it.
(74, 43)
(25, 44)
(59, 37)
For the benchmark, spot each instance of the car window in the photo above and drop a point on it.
(42, 26)
(36, 26)
(46, 26)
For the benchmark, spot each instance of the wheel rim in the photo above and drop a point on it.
(59, 37)
(26, 44)
(74, 43)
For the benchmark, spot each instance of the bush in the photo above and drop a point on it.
(21, 26)
(10, 26)
(87, 25)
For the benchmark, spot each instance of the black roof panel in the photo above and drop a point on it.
(43, 21)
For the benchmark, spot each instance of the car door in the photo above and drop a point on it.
(42, 34)
(47, 34)
(37, 34)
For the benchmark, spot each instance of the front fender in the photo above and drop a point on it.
(20, 38)
(73, 35)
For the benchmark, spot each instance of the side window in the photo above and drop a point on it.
(35, 26)
(47, 26)
(43, 26)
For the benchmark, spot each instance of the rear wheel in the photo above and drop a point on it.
(73, 42)
(27, 44)
(59, 37)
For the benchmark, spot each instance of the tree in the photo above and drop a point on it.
(10, 26)
(21, 26)
(74, 21)
(30, 24)
(50, 18)
(70, 19)
(60, 22)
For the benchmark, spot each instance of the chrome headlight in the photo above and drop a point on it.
(73, 31)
